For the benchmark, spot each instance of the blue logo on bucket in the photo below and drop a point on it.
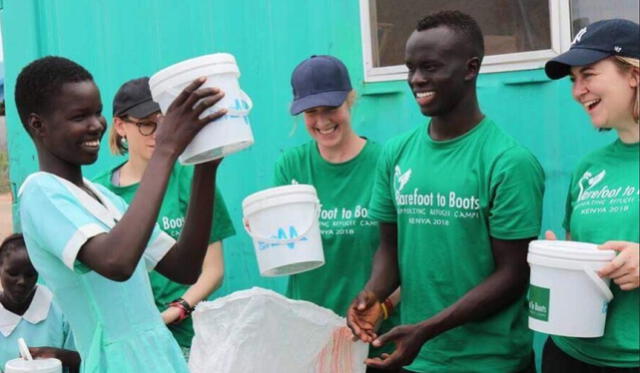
(282, 235)
(239, 106)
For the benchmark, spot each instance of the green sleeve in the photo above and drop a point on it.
(381, 206)
(517, 188)
(222, 225)
(280, 172)
(568, 209)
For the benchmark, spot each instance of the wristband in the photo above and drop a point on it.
(387, 308)
(184, 307)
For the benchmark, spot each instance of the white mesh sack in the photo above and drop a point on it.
(259, 330)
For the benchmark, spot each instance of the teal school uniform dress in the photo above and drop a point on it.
(41, 325)
(116, 325)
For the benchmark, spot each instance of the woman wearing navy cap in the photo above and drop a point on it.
(604, 66)
(339, 164)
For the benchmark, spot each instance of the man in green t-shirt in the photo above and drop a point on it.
(458, 201)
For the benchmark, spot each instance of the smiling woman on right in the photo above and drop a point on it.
(604, 66)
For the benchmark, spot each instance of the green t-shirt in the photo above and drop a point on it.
(602, 205)
(349, 237)
(171, 219)
(448, 198)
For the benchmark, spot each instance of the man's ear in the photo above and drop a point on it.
(35, 125)
(473, 68)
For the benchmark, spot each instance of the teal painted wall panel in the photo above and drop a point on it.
(118, 40)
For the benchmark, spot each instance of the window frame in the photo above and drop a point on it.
(559, 21)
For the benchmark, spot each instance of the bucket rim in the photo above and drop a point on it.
(279, 191)
(193, 63)
(574, 250)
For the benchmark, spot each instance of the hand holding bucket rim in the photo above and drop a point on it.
(182, 121)
(230, 110)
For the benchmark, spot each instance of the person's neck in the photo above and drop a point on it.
(132, 171)
(69, 172)
(347, 150)
(18, 309)
(629, 133)
(462, 119)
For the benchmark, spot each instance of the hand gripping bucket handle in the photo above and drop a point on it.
(230, 110)
(599, 283)
(259, 237)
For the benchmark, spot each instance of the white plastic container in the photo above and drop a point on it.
(283, 223)
(566, 295)
(225, 135)
(33, 366)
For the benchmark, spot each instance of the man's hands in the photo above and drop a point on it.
(408, 340)
(364, 316)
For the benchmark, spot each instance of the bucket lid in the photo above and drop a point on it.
(280, 191)
(37, 365)
(570, 250)
(208, 60)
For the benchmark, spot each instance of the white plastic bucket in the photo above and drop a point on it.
(283, 223)
(566, 295)
(224, 136)
(33, 366)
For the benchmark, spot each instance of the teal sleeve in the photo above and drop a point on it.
(52, 217)
(517, 188)
(382, 207)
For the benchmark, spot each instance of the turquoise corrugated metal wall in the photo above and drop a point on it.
(118, 40)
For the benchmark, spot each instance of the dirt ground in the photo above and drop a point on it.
(5, 215)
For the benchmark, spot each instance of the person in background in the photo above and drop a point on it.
(135, 122)
(27, 311)
(338, 163)
(604, 66)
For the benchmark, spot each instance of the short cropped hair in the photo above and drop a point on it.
(41, 80)
(461, 23)
(11, 244)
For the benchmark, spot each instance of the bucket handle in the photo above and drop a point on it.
(265, 239)
(600, 284)
(230, 110)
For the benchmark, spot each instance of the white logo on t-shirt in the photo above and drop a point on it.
(588, 181)
(400, 179)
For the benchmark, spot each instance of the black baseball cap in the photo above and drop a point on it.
(611, 37)
(319, 81)
(134, 99)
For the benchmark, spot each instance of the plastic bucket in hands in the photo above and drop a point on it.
(566, 295)
(224, 136)
(33, 366)
(283, 223)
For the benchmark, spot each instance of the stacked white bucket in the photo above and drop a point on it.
(283, 223)
(224, 136)
(566, 295)
(33, 366)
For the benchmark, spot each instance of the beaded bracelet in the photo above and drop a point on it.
(387, 308)
(184, 307)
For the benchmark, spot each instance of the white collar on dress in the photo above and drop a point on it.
(37, 311)
(105, 211)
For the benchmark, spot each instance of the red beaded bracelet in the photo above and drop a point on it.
(184, 307)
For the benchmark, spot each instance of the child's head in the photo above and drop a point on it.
(60, 107)
(17, 275)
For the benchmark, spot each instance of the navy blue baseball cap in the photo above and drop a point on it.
(319, 81)
(611, 37)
